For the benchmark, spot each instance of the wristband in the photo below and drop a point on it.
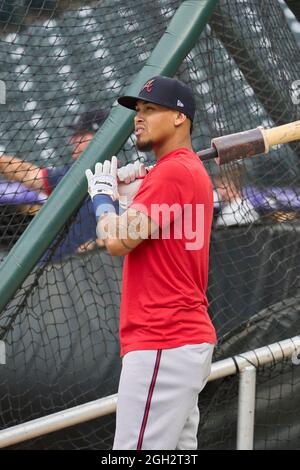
(102, 203)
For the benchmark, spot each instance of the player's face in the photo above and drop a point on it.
(153, 125)
(80, 142)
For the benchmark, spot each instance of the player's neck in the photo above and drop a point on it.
(170, 146)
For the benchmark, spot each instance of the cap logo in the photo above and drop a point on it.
(180, 104)
(148, 86)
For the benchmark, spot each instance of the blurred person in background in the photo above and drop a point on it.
(230, 205)
(29, 186)
(236, 204)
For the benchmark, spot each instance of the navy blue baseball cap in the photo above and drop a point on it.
(168, 92)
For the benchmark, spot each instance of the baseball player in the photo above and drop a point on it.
(166, 336)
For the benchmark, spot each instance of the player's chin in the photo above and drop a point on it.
(144, 145)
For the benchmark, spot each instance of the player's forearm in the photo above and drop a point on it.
(114, 235)
(27, 173)
(115, 247)
(120, 234)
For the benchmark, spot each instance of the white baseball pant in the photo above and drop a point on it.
(157, 405)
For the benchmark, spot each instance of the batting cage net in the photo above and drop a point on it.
(63, 63)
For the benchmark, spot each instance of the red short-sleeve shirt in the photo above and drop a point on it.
(164, 303)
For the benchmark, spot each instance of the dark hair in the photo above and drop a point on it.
(88, 121)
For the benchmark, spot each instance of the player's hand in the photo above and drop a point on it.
(132, 171)
(104, 180)
(131, 178)
(90, 245)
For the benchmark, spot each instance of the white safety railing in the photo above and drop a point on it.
(2, 352)
(245, 364)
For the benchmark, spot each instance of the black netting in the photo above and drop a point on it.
(62, 58)
(277, 390)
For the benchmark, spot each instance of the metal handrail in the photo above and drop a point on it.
(272, 353)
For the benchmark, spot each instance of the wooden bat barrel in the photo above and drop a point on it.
(241, 145)
(253, 142)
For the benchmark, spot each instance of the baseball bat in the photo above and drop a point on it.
(249, 143)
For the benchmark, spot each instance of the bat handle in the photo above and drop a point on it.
(281, 134)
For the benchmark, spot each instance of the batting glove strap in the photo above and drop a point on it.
(103, 204)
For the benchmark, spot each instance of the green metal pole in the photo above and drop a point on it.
(182, 33)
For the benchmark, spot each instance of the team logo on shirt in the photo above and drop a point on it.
(148, 86)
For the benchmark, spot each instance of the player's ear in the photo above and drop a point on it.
(179, 118)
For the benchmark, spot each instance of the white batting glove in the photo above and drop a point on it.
(132, 175)
(132, 171)
(127, 193)
(104, 181)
